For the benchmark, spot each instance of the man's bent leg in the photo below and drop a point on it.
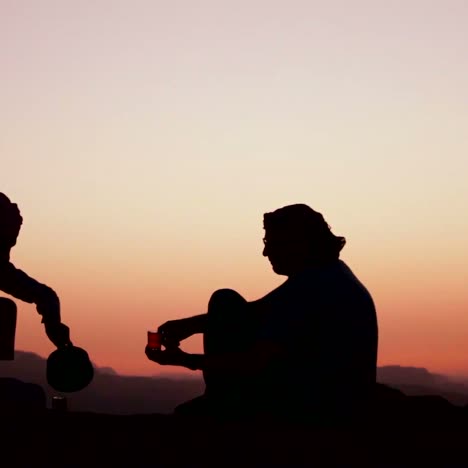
(229, 328)
(8, 315)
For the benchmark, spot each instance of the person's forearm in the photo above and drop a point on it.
(197, 323)
(18, 284)
(248, 362)
(238, 363)
(48, 305)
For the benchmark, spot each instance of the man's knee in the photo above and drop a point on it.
(225, 298)
(7, 306)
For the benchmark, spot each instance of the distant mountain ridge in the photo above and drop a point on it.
(109, 392)
(419, 381)
(113, 393)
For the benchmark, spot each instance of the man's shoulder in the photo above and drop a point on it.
(14, 281)
(324, 282)
(8, 268)
(336, 271)
(318, 276)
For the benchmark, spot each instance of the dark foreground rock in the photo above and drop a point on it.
(76, 439)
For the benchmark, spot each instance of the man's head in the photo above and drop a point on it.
(296, 236)
(10, 224)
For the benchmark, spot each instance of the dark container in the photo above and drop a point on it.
(60, 404)
(69, 369)
(7, 329)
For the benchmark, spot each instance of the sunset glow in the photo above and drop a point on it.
(144, 140)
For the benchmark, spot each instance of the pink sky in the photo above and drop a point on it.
(144, 140)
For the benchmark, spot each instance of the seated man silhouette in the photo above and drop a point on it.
(21, 286)
(306, 351)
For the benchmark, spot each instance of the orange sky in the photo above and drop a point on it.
(143, 141)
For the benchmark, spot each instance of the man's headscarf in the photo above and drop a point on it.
(301, 220)
(296, 218)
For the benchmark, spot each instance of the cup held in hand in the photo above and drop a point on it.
(154, 339)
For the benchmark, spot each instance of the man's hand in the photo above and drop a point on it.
(168, 357)
(58, 333)
(175, 331)
(48, 304)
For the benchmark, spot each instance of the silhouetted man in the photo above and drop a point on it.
(21, 286)
(305, 351)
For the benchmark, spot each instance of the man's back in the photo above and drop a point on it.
(326, 320)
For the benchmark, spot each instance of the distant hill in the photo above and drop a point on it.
(419, 381)
(112, 393)
(109, 392)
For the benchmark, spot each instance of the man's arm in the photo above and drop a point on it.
(197, 323)
(18, 284)
(242, 363)
(175, 331)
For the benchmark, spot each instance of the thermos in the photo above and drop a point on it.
(8, 315)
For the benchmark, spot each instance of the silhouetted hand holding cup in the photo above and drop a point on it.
(175, 331)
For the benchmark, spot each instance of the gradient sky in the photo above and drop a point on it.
(144, 140)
